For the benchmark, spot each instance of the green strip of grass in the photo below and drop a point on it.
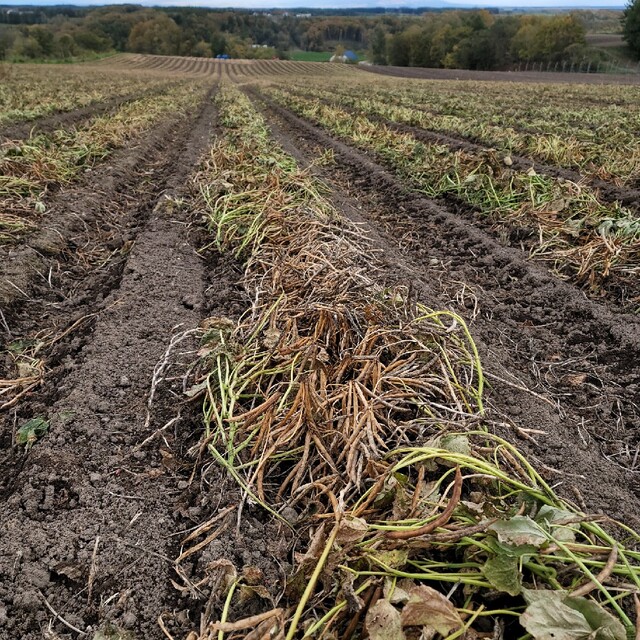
(311, 56)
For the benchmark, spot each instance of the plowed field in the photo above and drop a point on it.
(294, 350)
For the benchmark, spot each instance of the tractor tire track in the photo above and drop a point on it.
(85, 525)
(91, 205)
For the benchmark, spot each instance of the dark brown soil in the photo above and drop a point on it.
(534, 332)
(80, 489)
(503, 76)
(86, 522)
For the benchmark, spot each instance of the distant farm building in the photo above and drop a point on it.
(348, 57)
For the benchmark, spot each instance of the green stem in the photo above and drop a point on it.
(311, 584)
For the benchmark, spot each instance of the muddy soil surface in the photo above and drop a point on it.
(503, 76)
(556, 362)
(89, 516)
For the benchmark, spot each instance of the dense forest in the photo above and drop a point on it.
(475, 39)
(480, 40)
(632, 26)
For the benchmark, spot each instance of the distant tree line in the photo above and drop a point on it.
(482, 40)
(632, 26)
(467, 39)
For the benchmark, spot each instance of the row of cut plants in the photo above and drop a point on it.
(562, 150)
(600, 141)
(563, 223)
(28, 92)
(31, 168)
(356, 418)
(427, 126)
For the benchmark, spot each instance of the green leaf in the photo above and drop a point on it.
(521, 551)
(608, 627)
(552, 515)
(548, 618)
(503, 572)
(456, 443)
(554, 615)
(111, 632)
(29, 432)
(20, 346)
(383, 622)
(519, 530)
(395, 559)
(548, 517)
(533, 596)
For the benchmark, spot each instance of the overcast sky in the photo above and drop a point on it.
(245, 4)
(546, 3)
